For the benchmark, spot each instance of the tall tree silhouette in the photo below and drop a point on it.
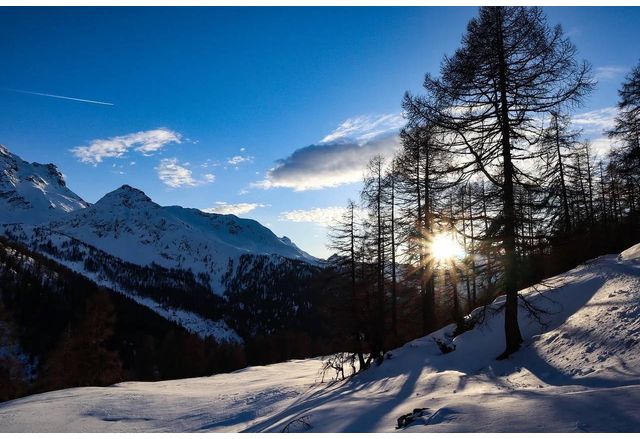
(512, 68)
(343, 236)
(627, 132)
(373, 199)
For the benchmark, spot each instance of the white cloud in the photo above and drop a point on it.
(323, 216)
(596, 121)
(326, 165)
(609, 72)
(595, 124)
(601, 146)
(361, 129)
(144, 142)
(340, 158)
(209, 163)
(171, 173)
(224, 208)
(175, 175)
(238, 159)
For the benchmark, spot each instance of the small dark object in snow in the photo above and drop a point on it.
(444, 347)
(389, 355)
(405, 420)
(299, 424)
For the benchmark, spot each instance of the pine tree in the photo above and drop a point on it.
(627, 123)
(373, 198)
(511, 68)
(343, 237)
(625, 158)
(559, 145)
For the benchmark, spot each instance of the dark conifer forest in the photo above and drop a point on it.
(491, 160)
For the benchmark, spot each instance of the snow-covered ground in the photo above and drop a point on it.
(225, 402)
(578, 371)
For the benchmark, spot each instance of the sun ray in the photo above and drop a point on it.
(444, 248)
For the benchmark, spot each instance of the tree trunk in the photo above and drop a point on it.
(472, 254)
(394, 294)
(357, 341)
(565, 201)
(379, 328)
(512, 329)
(429, 281)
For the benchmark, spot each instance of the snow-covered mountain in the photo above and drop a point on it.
(171, 259)
(33, 193)
(577, 371)
(127, 224)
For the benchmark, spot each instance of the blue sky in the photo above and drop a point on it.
(206, 101)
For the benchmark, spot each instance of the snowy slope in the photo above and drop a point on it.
(579, 370)
(225, 402)
(108, 271)
(127, 224)
(32, 193)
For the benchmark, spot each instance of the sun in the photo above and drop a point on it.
(445, 248)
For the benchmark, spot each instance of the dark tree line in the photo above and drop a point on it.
(491, 161)
(59, 329)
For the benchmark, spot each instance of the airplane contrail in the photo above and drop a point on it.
(59, 97)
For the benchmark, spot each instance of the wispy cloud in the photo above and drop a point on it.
(601, 145)
(144, 142)
(323, 216)
(596, 121)
(68, 98)
(176, 175)
(609, 72)
(362, 129)
(224, 208)
(238, 159)
(595, 124)
(339, 158)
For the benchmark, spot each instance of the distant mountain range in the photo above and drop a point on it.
(197, 269)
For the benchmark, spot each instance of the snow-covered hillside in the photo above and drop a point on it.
(578, 371)
(127, 224)
(32, 193)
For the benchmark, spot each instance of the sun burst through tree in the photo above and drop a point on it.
(445, 249)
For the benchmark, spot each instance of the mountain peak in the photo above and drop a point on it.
(125, 195)
(32, 192)
(54, 172)
(4, 151)
(129, 189)
(43, 170)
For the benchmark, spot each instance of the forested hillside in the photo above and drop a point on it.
(59, 330)
(494, 187)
